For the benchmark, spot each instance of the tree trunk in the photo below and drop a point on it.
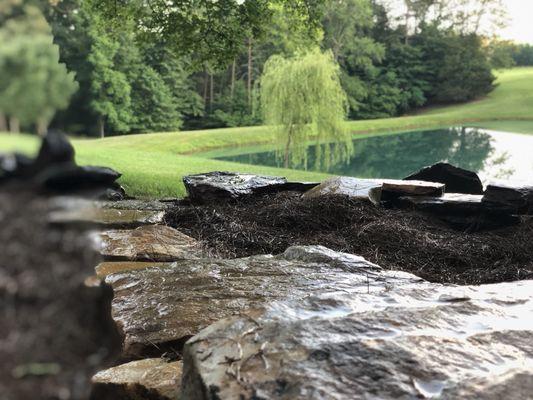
(3, 122)
(232, 85)
(206, 80)
(250, 72)
(287, 149)
(101, 127)
(41, 127)
(211, 92)
(14, 124)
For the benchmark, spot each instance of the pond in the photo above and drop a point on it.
(492, 154)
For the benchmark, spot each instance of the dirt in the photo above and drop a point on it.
(55, 332)
(395, 239)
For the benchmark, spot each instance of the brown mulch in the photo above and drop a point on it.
(54, 332)
(395, 239)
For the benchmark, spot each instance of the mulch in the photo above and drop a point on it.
(54, 332)
(394, 239)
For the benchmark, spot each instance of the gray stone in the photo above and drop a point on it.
(152, 378)
(169, 303)
(363, 189)
(457, 180)
(375, 190)
(215, 186)
(14, 165)
(516, 197)
(55, 150)
(150, 242)
(405, 342)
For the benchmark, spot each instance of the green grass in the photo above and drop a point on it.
(153, 164)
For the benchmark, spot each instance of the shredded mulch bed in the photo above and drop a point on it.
(54, 332)
(394, 239)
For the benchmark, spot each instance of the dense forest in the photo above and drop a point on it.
(105, 77)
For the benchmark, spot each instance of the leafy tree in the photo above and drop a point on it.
(34, 84)
(302, 99)
(110, 90)
(500, 53)
(209, 30)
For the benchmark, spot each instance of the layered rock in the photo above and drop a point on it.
(169, 303)
(215, 186)
(154, 379)
(404, 342)
(462, 210)
(457, 180)
(150, 242)
(516, 197)
(375, 190)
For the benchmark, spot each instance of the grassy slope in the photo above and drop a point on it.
(154, 164)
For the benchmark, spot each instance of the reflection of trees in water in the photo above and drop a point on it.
(396, 156)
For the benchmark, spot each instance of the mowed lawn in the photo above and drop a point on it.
(153, 164)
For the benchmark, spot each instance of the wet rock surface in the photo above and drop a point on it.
(514, 196)
(166, 304)
(152, 378)
(215, 186)
(457, 180)
(150, 242)
(406, 342)
(112, 267)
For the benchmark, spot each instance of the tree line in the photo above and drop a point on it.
(95, 68)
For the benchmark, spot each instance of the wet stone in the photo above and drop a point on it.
(150, 242)
(110, 218)
(144, 379)
(112, 267)
(363, 189)
(215, 186)
(457, 180)
(169, 303)
(405, 342)
(461, 210)
(514, 196)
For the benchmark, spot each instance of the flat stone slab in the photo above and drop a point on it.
(111, 218)
(409, 342)
(375, 190)
(150, 242)
(457, 180)
(152, 378)
(215, 186)
(168, 303)
(514, 196)
(112, 267)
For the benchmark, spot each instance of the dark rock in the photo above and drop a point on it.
(14, 165)
(55, 149)
(463, 211)
(168, 303)
(69, 178)
(214, 186)
(514, 196)
(405, 342)
(457, 180)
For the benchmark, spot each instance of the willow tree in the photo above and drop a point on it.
(302, 99)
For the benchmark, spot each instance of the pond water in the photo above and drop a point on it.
(494, 155)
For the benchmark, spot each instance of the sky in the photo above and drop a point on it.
(520, 27)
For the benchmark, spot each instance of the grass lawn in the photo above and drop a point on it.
(153, 164)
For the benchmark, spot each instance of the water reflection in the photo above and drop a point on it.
(492, 154)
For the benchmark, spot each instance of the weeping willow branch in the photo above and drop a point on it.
(302, 99)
